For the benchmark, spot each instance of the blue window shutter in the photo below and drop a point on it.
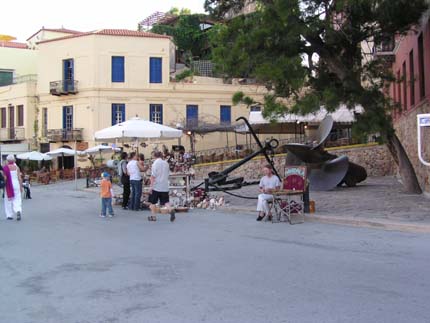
(64, 70)
(151, 112)
(113, 114)
(122, 112)
(155, 70)
(225, 114)
(192, 115)
(117, 68)
(64, 117)
(161, 114)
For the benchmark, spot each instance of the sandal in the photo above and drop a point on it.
(152, 218)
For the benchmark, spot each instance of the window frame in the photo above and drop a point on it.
(421, 66)
(190, 120)
(44, 121)
(117, 69)
(117, 109)
(155, 70)
(411, 78)
(3, 115)
(223, 110)
(8, 81)
(68, 117)
(156, 116)
(255, 108)
(20, 113)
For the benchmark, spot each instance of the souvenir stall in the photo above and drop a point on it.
(137, 131)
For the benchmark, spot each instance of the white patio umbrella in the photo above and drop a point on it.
(62, 152)
(135, 129)
(99, 149)
(34, 155)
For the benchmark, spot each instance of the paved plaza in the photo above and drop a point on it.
(378, 201)
(62, 263)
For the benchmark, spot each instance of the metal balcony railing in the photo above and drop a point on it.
(11, 134)
(56, 135)
(25, 78)
(385, 47)
(64, 87)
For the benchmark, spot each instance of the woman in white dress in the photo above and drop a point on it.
(13, 189)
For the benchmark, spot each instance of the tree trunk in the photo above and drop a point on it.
(407, 172)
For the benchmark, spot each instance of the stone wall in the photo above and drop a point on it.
(406, 128)
(376, 159)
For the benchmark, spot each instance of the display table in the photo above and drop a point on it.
(179, 190)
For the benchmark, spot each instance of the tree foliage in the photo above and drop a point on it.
(272, 44)
(187, 34)
(309, 52)
(176, 12)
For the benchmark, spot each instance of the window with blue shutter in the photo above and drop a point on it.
(118, 113)
(192, 116)
(156, 113)
(155, 70)
(68, 75)
(68, 117)
(225, 114)
(117, 68)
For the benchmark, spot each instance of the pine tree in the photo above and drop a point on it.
(272, 44)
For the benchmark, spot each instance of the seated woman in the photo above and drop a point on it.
(268, 183)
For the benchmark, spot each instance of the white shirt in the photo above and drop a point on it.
(271, 182)
(160, 171)
(133, 170)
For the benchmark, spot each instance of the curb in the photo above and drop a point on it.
(356, 222)
(381, 224)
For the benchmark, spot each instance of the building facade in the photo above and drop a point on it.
(89, 81)
(18, 99)
(410, 57)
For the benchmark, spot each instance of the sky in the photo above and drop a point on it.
(22, 18)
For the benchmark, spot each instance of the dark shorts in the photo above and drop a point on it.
(156, 196)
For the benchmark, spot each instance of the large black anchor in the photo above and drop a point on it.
(219, 181)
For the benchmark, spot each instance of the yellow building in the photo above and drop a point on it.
(89, 81)
(113, 75)
(17, 97)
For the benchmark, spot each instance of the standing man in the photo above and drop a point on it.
(125, 180)
(160, 186)
(134, 167)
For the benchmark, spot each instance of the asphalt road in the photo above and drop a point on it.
(62, 263)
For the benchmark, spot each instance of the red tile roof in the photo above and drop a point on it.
(63, 30)
(11, 44)
(58, 30)
(111, 32)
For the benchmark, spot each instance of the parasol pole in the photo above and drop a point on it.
(76, 166)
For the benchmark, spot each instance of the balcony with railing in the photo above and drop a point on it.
(64, 87)
(12, 134)
(57, 135)
(385, 48)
